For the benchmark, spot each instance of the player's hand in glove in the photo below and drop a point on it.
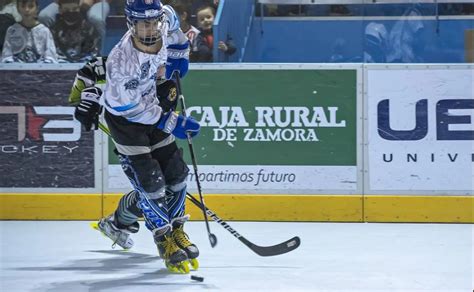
(178, 125)
(167, 95)
(91, 74)
(88, 110)
(178, 60)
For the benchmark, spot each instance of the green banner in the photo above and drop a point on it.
(284, 117)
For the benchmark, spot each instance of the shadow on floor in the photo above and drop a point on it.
(114, 268)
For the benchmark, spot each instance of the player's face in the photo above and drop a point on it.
(27, 9)
(205, 18)
(149, 28)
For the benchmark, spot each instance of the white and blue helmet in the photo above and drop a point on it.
(145, 20)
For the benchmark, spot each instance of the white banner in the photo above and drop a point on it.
(420, 129)
(231, 178)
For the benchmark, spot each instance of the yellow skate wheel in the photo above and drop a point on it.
(179, 268)
(194, 264)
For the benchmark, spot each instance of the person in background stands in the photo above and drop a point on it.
(183, 11)
(8, 16)
(76, 39)
(28, 41)
(205, 40)
(96, 12)
(9, 7)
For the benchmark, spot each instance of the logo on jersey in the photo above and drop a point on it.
(172, 95)
(132, 84)
(144, 69)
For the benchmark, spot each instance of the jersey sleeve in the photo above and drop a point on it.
(172, 18)
(7, 54)
(175, 35)
(50, 55)
(123, 95)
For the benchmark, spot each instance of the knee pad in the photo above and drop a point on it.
(145, 174)
(175, 170)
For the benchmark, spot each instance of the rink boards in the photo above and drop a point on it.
(279, 142)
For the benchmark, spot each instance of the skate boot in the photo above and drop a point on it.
(175, 258)
(182, 241)
(118, 234)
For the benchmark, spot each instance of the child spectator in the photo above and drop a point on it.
(76, 39)
(205, 40)
(183, 11)
(28, 41)
(96, 12)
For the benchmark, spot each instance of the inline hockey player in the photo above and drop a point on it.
(144, 128)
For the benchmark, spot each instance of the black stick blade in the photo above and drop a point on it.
(267, 251)
(213, 240)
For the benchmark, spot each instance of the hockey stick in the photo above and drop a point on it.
(264, 251)
(212, 237)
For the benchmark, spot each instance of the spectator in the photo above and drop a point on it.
(375, 43)
(196, 4)
(183, 11)
(76, 39)
(96, 11)
(406, 38)
(28, 41)
(8, 16)
(9, 7)
(205, 40)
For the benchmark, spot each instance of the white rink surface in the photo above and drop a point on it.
(69, 256)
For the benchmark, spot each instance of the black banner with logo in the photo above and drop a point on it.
(41, 145)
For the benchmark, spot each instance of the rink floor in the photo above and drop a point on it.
(69, 256)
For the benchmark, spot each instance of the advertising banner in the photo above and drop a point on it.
(270, 130)
(420, 129)
(41, 145)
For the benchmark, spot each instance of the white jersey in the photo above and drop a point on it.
(130, 90)
(29, 45)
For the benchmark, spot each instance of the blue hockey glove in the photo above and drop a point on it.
(88, 110)
(178, 125)
(178, 60)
